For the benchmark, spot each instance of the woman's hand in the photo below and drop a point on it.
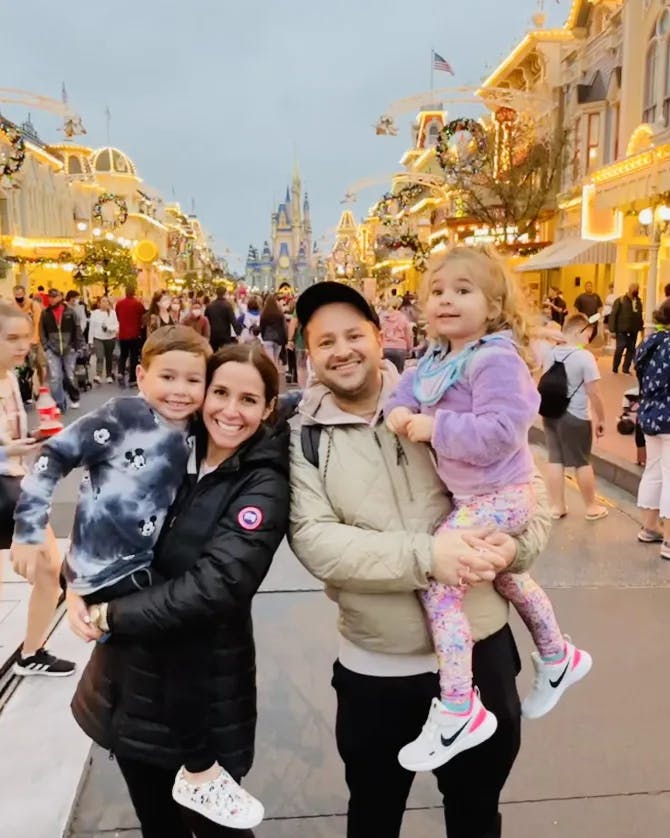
(398, 419)
(457, 561)
(80, 622)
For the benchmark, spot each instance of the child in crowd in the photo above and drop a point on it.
(472, 398)
(134, 451)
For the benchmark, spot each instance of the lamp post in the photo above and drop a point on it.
(655, 220)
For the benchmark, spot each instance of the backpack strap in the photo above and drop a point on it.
(309, 440)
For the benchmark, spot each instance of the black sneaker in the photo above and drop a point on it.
(43, 663)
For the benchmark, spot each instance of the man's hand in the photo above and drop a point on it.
(398, 419)
(496, 542)
(25, 558)
(457, 562)
(420, 428)
(80, 622)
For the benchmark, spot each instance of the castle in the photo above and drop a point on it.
(288, 258)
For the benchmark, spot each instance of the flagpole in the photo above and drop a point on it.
(432, 69)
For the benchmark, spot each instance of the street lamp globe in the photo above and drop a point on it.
(664, 213)
(646, 216)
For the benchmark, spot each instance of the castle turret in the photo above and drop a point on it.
(266, 268)
(303, 278)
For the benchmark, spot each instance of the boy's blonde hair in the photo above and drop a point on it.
(174, 339)
(508, 305)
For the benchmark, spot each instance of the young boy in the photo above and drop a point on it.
(570, 437)
(134, 451)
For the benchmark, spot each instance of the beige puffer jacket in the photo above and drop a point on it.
(362, 524)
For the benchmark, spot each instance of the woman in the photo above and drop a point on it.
(177, 309)
(227, 522)
(196, 320)
(250, 320)
(103, 331)
(273, 328)
(652, 364)
(397, 334)
(159, 313)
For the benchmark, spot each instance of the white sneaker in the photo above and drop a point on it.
(110, 380)
(446, 734)
(553, 679)
(74, 405)
(222, 801)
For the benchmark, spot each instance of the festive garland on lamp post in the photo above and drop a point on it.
(14, 161)
(443, 148)
(120, 217)
(401, 199)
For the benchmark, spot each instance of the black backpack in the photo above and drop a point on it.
(309, 434)
(553, 390)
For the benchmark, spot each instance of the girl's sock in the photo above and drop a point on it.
(557, 658)
(460, 706)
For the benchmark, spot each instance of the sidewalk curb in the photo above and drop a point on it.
(619, 472)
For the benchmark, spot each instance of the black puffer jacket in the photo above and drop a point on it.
(215, 553)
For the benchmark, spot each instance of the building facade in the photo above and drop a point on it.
(66, 195)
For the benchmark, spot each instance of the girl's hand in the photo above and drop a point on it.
(398, 419)
(420, 428)
(80, 622)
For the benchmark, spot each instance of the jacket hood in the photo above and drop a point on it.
(318, 405)
(657, 340)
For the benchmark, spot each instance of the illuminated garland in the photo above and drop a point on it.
(401, 200)
(14, 161)
(411, 242)
(62, 259)
(443, 148)
(120, 217)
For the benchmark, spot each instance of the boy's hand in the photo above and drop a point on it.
(600, 429)
(25, 558)
(398, 419)
(79, 619)
(21, 447)
(420, 428)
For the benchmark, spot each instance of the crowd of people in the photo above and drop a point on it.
(405, 483)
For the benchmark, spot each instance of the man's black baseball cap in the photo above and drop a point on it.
(324, 293)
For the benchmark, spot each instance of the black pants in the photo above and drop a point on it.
(292, 364)
(159, 816)
(625, 341)
(186, 668)
(376, 716)
(129, 349)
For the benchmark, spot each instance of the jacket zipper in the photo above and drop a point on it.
(388, 471)
(403, 462)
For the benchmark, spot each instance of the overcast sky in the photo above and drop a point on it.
(217, 98)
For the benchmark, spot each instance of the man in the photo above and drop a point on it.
(570, 436)
(589, 303)
(222, 320)
(626, 323)
(77, 305)
(362, 520)
(61, 339)
(130, 314)
(44, 297)
(557, 305)
(36, 358)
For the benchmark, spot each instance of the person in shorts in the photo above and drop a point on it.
(569, 438)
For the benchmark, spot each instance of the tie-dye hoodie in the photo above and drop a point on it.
(134, 462)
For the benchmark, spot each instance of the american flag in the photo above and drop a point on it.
(440, 63)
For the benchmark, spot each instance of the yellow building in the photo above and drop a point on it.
(63, 196)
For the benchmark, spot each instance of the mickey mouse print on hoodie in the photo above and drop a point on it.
(135, 461)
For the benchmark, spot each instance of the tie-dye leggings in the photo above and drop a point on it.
(509, 509)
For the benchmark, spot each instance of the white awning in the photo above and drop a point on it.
(571, 251)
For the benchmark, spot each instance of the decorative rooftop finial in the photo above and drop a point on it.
(539, 18)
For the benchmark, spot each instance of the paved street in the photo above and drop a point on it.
(591, 768)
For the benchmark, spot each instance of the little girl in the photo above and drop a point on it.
(473, 399)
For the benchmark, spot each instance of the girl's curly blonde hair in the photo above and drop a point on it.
(508, 307)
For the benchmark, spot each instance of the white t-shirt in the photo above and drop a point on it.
(609, 302)
(581, 369)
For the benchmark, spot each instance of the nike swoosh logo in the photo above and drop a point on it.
(557, 682)
(450, 741)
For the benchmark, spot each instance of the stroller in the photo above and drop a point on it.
(629, 408)
(82, 367)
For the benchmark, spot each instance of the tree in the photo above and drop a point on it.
(106, 263)
(503, 173)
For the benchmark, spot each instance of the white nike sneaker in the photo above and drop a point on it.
(446, 734)
(553, 679)
(222, 801)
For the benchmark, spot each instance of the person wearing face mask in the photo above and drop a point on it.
(626, 323)
(196, 320)
(176, 309)
(36, 360)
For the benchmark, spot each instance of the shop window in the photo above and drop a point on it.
(649, 106)
(576, 157)
(592, 141)
(666, 84)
